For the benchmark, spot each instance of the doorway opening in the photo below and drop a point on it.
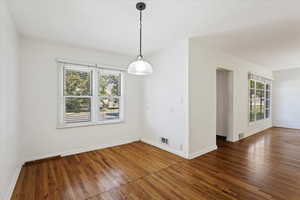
(224, 115)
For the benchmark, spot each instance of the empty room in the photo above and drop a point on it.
(149, 100)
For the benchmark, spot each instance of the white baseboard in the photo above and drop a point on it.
(86, 149)
(66, 153)
(166, 148)
(39, 157)
(13, 182)
(203, 151)
(287, 124)
(257, 129)
(81, 150)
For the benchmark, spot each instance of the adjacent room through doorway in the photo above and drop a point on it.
(224, 103)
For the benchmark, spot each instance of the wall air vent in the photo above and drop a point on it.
(164, 140)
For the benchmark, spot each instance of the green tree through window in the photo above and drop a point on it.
(77, 83)
(109, 94)
(77, 88)
(90, 95)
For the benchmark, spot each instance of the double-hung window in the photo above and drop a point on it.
(89, 95)
(259, 98)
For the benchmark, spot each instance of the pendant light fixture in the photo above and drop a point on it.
(140, 66)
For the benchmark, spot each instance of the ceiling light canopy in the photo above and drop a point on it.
(140, 66)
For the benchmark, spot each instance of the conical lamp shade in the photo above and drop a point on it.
(140, 67)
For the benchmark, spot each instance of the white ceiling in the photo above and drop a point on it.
(273, 45)
(264, 32)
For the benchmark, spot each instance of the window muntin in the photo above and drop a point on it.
(259, 99)
(89, 95)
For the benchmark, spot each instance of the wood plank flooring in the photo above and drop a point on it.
(264, 166)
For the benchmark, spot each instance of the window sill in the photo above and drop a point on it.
(258, 122)
(85, 124)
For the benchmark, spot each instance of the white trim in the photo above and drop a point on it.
(75, 68)
(203, 151)
(166, 148)
(186, 101)
(82, 150)
(287, 124)
(98, 147)
(95, 88)
(122, 97)
(96, 65)
(40, 157)
(13, 183)
(260, 127)
(258, 122)
(94, 76)
(231, 139)
(85, 124)
(60, 95)
(265, 82)
(73, 62)
(269, 78)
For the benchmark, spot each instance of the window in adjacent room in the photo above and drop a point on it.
(259, 98)
(89, 95)
(268, 100)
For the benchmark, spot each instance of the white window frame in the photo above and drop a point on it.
(265, 82)
(270, 99)
(96, 71)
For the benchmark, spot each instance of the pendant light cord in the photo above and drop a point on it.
(140, 34)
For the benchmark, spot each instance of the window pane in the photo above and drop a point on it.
(77, 110)
(259, 115)
(259, 105)
(259, 100)
(260, 93)
(268, 94)
(267, 103)
(252, 93)
(109, 109)
(252, 105)
(110, 84)
(252, 84)
(77, 83)
(260, 109)
(267, 113)
(252, 117)
(260, 85)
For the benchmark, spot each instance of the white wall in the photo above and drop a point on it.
(286, 96)
(165, 99)
(180, 98)
(39, 81)
(202, 90)
(10, 160)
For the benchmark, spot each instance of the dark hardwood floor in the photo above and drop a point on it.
(263, 166)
